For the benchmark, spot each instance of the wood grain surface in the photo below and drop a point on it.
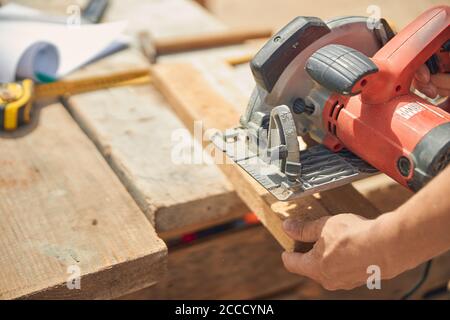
(62, 207)
(242, 264)
(134, 128)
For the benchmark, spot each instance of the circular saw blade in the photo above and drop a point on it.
(294, 82)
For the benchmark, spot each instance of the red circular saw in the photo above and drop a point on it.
(347, 84)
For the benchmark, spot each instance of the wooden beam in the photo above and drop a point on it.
(347, 199)
(240, 264)
(193, 98)
(132, 126)
(62, 207)
(244, 278)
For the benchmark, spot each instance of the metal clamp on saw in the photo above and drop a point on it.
(347, 86)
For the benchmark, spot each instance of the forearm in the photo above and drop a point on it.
(419, 229)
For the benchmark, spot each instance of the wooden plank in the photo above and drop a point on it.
(62, 206)
(239, 13)
(347, 199)
(385, 194)
(194, 99)
(236, 265)
(133, 127)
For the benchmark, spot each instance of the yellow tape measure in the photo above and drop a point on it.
(15, 104)
(16, 99)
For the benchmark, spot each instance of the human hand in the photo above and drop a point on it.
(432, 85)
(345, 246)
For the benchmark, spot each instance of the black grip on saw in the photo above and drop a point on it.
(339, 68)
(270, 62)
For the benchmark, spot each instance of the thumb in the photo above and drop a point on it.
(304, 231)
(423, 74)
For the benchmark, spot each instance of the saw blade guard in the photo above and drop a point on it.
(287, 103)
(279, 68)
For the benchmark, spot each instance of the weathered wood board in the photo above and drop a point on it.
(133, 127)
(386, 194)
(243, 264)
(61, 207)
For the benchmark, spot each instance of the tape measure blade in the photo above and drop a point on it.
(70, 87)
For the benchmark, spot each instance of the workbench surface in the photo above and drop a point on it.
(62, 201)
(88, 184)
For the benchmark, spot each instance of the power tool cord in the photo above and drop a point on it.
(422, 279)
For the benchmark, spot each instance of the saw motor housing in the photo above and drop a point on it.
(347, 86)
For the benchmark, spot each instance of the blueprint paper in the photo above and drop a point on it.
(30, 49)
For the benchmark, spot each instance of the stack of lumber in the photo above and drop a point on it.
(90, 184)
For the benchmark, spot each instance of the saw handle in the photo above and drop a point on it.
(390, 72)
(339, 68)
(401, 57)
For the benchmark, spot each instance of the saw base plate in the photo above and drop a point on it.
(321, 169)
